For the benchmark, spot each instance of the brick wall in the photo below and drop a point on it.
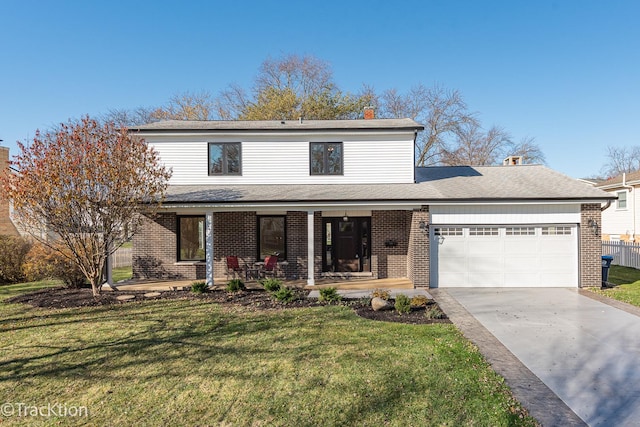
(419, 251)
(296, 266)
(590, 247)
(389, 243)
(155, 252)
(6, 225)
(234, 233)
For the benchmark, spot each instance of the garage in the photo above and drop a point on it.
(504, 255)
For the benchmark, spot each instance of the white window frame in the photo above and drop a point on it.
(625, 200)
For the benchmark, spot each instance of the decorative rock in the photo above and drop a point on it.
(152, 294)
(125, 297)
(380, 304)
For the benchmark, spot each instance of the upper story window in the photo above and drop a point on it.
(621, 203)
(224, 158)
(326, 158)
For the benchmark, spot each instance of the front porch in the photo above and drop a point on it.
(371, 245)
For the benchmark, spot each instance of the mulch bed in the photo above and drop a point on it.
(254, 299)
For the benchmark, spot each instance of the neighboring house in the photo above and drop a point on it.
(620, 221)
(7, 226)
(344, 197)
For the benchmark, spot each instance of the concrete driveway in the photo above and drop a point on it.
(585, 351)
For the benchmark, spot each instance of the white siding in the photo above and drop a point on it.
(620, 221)
(501, 214)
(382, 157)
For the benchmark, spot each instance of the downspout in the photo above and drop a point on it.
(633, 205)
(415, 147)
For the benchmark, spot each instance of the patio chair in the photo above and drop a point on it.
(233, 268)
(270, 266)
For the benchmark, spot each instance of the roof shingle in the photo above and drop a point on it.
(277, 125)
(433, 184)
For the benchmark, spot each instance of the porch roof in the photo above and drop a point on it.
(433, 185)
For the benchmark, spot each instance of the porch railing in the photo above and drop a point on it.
(624, 253)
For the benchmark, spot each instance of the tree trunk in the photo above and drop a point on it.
(96, 287)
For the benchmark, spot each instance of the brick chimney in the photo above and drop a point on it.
(369, 113)
(6, 225)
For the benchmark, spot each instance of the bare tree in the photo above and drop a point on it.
(187, 106)
(443, 113)
(476, 147)
(231, 102)
(128, 118)
(621, 160)
(304, 75)
(182, 106)
(530, 151)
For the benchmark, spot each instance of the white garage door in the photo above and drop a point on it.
(504, 256)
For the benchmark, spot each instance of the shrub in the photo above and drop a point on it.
(329, 295)
(403, 304)
(13, 251)
(271, 284)
(284, 294)
(419, 301)
(43, 262)
(199, 287)
(434, 312)
(235, 285)
(381, 293)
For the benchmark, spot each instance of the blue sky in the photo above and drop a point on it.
(564, 72)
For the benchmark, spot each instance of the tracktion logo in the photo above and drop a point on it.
(19, 409)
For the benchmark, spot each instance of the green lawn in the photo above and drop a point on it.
(628, 280)
(181, 362)
(121, 273)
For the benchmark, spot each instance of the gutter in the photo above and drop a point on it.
(633, 205)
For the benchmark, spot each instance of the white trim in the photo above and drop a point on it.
(209, 247)
(310, 250)
(356, 205)
(626, 200)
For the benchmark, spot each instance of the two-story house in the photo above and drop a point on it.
(342, 197)
(620, 221)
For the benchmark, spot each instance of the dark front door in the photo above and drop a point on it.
(346, 244)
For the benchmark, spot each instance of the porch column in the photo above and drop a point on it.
(310, 253)
(109, 262)
(209, 247)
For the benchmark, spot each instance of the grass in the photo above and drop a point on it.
(191, 362)
(122, 273)
(628, 281)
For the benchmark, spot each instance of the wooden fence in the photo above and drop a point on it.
(122, 258)
(624, 254)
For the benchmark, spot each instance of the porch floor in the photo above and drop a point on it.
(355, 284)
